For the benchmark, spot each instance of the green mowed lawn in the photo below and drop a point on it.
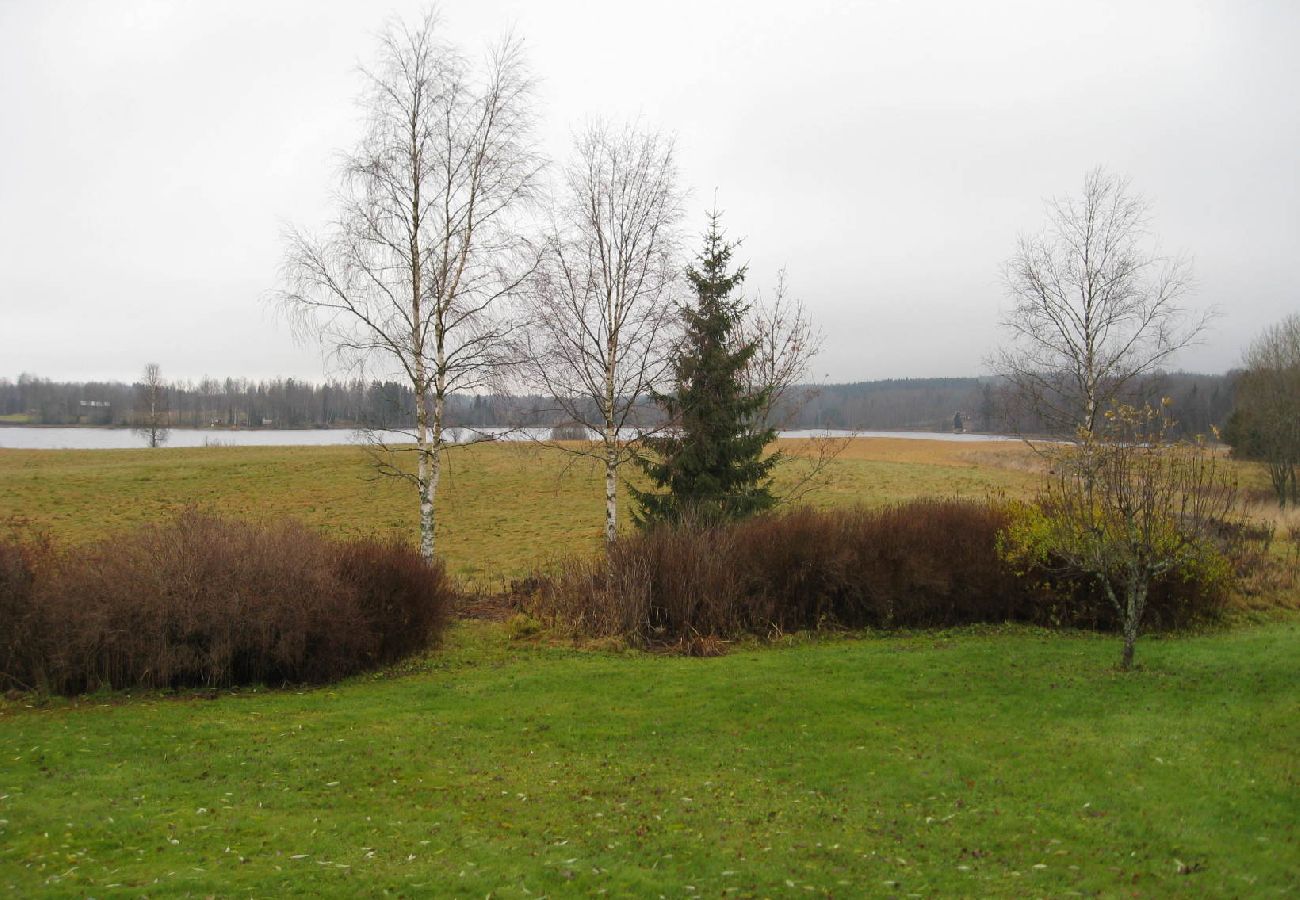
(979, 762)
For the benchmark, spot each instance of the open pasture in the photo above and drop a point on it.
(503, 507)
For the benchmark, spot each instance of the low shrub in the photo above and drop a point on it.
(201, 601)
(923, 564)
(926, 563)
(570, 431)
(404, 602)
(522, 627)
(18, 620)
(1195, 590)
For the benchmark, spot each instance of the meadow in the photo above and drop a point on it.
(503, 507)
(981, 761)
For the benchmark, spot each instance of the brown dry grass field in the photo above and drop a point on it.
(503, 506)
(503, 509)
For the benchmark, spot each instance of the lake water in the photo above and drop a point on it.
(41, 438)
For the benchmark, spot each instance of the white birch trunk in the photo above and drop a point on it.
(431, 486)
(611, 436)
(427, 491)
(611, 489)
(432, 458)
(425, 477)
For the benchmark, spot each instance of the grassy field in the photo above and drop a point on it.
(1006, 762)
(990, 761)
(503, 507)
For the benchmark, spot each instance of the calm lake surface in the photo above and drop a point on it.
(40, 438)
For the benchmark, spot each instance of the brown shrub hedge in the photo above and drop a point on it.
(202, 601)
(925, 564)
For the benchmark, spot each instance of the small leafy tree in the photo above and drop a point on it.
(1125, 506)
(710, 467)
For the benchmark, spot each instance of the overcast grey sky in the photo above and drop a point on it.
(888, 153)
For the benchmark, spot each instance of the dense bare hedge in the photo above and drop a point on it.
(201, 601)
(928, 563)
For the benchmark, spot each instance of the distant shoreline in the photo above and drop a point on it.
(92, 437)
(223, 429)
(216, 428)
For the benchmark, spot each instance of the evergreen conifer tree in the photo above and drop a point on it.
(711, 467)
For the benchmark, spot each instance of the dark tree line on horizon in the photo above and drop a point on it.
(1200, 403)
(226, 403)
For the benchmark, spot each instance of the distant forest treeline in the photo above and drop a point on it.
(928, 404)
(230, 403)
(1199, 403)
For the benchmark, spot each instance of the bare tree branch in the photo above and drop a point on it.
(151, 407)
(604, 315)
(414, 276)
(1265, 425)
(1093, 308)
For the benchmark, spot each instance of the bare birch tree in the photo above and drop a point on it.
(151, 406)
(412, 275)
(1094, 307)
(785, 341)
(604, 296)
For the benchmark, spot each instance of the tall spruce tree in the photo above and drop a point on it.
(710, 468)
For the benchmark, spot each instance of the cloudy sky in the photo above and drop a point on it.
(887, 153)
